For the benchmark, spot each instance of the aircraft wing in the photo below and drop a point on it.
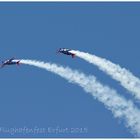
(11, 59)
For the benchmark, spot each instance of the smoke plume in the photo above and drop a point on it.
(119, 106)
(124, 76)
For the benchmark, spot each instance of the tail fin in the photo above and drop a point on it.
(18, 62)
(73, 55)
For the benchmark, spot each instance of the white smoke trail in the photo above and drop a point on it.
(124, 76)
(120, 107)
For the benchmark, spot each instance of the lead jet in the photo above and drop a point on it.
(11, 61)
(66, 51)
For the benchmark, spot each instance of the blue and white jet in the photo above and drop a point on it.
(11, 61)
(66, 51)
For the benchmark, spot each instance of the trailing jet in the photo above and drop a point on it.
(11, 61)
(66, 51)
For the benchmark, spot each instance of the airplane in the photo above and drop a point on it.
(11, 61)
(66, 51)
